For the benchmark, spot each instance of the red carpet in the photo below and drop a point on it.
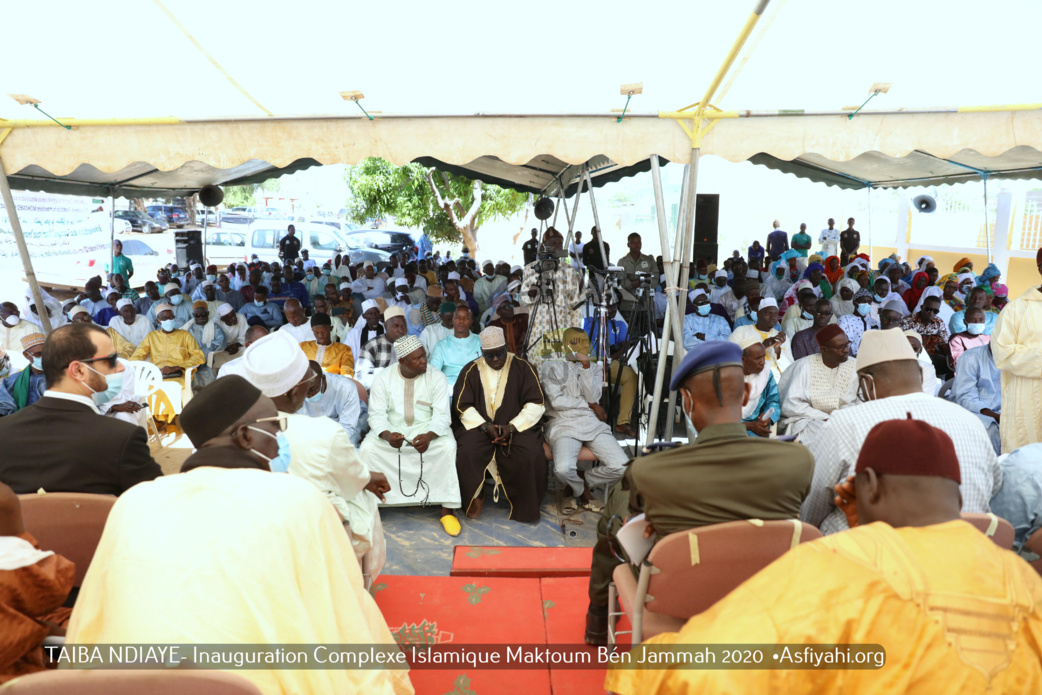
(501, 561)
(462, 610)
(565, 600)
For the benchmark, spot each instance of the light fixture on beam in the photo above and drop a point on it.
(628, 90)
(26, 100)
(356, 97)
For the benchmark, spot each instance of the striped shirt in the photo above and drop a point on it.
(837, 447)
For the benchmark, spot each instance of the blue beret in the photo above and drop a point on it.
(714, 353)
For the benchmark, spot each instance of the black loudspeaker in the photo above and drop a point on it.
(210, 195)
(188, 246)
(707, 219)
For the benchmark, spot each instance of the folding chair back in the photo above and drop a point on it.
(116, 682)
(69, 523)
(994, 527)
(147, 378)
(692, 570)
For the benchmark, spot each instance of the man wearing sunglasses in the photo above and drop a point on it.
(62, 443)
(933, 333)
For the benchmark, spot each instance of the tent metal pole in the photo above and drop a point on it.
(23, 250)
(868, 187)
(672, 322)
(987, 229)
(112, 235)
(678, 349)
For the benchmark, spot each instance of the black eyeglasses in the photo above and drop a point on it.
(928, 310)
(110, 360)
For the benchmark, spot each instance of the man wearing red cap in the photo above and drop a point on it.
(813, 387)
(1016, 344)
(954, 612)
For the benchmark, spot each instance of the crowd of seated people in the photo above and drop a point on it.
(436, 382)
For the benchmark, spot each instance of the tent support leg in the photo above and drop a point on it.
(673, 278)
(987, 228)
(23, 250)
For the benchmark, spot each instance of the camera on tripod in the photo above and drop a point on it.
(645, 283)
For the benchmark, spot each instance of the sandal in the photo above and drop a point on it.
(569, 506)
(595, 506)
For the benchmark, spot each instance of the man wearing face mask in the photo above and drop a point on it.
(175, 300)
(13, 329)
(337, 398)
(171, 349)
(82, 371)
(702, 326)
(267, 311)
(890, 383)
(27, 386)
(724, 475)
(317, 449)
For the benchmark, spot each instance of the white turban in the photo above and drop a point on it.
(369, 304)
(693, 294)
(122, 303)
(275, 363)
(225, 309)
(453, 275)
(207, 283)
(345, 285)
(768, 301)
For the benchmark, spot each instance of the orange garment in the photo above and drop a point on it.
(336, 360)
(833, 275)
(955, 613)
(29, 595)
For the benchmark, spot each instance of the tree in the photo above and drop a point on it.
(447, 206)
(238, 196)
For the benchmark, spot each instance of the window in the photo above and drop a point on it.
(265, 238)
(323, 241)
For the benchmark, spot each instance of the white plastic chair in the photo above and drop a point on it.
(147, 380)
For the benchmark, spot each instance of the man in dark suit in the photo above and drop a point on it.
(61, 443)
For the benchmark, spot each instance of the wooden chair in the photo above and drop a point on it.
(687, 572)
(69, 523)
(118, 682)
(994, 527)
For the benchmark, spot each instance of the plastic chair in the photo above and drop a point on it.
(69, 523)
(147, 381)
(994, 527)
(687, 572)
(117, 682)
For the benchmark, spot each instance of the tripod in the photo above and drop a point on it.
(544, 300)
(641, 322)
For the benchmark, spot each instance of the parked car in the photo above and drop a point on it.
(141, 222)
(383, 239)
(176, 215)
(238, 242)
(339, 225)
(209, 215)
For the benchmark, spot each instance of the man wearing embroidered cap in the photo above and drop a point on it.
(27, 386)
(497, 405)
(968, 611)
(724, 475)
(318, 449)
(890, 381)
(817, 385)
(379, 352)
(1016, 344)
(410, 437)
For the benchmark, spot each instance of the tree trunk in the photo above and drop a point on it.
(138, 203)
(191, 202)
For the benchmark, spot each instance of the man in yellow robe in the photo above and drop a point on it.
(1016, 345)
(954, 612)
(173, 351)
(335, 358)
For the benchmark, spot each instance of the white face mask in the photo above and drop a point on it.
(12, 320)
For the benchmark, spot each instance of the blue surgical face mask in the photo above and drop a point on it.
(114, 384)
(279, 464)
(974, 328)
(327, 271)
(806, 315)
(752, 316)
(211, 278)
(310, 275)
(38, 363)
(168, 325)
(259, 302)
(878, 298)
(702, 309)
(863, 309)
(314, 399)
(177, 299)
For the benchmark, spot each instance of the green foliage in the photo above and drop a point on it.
(379, 188)
(238, 196)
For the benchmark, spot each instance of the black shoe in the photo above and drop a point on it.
(596, 626)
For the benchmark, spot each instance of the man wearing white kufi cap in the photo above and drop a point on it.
(773, 340)
(701, 326)
(410, 437)
(500, 402)
(487, 285)
(890, 381)
(320, 450)
(128, 324)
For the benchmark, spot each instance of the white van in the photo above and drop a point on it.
(261, 237)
